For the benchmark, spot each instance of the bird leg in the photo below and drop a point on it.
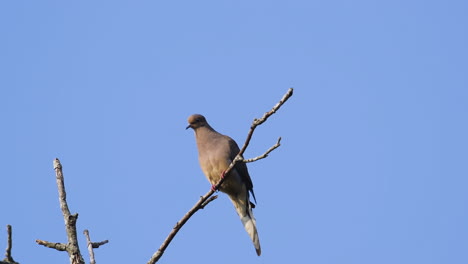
(213, 186)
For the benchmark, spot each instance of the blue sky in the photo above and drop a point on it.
(373, 162)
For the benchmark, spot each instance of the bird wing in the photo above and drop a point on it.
(240, 167)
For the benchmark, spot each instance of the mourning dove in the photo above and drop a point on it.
(215, 153)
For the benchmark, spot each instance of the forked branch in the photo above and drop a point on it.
(92, 245)
(71, 247)
(70, 224)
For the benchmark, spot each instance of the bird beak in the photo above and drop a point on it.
(189, 126)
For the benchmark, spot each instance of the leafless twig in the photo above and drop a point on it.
(98, 244)
(202, 202)
(92, 245)
(70, 222)
(8, 258)
(208, 201)
(264, 155)
(57, 246)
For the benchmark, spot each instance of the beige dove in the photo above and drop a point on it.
(215, 153)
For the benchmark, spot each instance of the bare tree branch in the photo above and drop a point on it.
(70, 222)
(212, 198)
(57, 246)
(98, 244)
(264, 155)
(92, 260)
(203, 200)
(92, 245)
(265, 116)
(8, 258)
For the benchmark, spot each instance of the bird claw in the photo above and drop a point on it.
(213, 187)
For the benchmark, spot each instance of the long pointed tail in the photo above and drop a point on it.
(244, 210)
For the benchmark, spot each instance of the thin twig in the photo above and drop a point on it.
(98, 244)
(57, 246)
(71, 247)
(9, 244)
(157, 255)
(266, 153)
(92, 245)
(265, 116)
(208, 201)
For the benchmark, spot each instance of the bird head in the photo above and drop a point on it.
(195, 121)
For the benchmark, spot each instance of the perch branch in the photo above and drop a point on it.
(71, 247)
(203, 200)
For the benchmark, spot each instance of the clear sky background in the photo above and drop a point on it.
(373, 166)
